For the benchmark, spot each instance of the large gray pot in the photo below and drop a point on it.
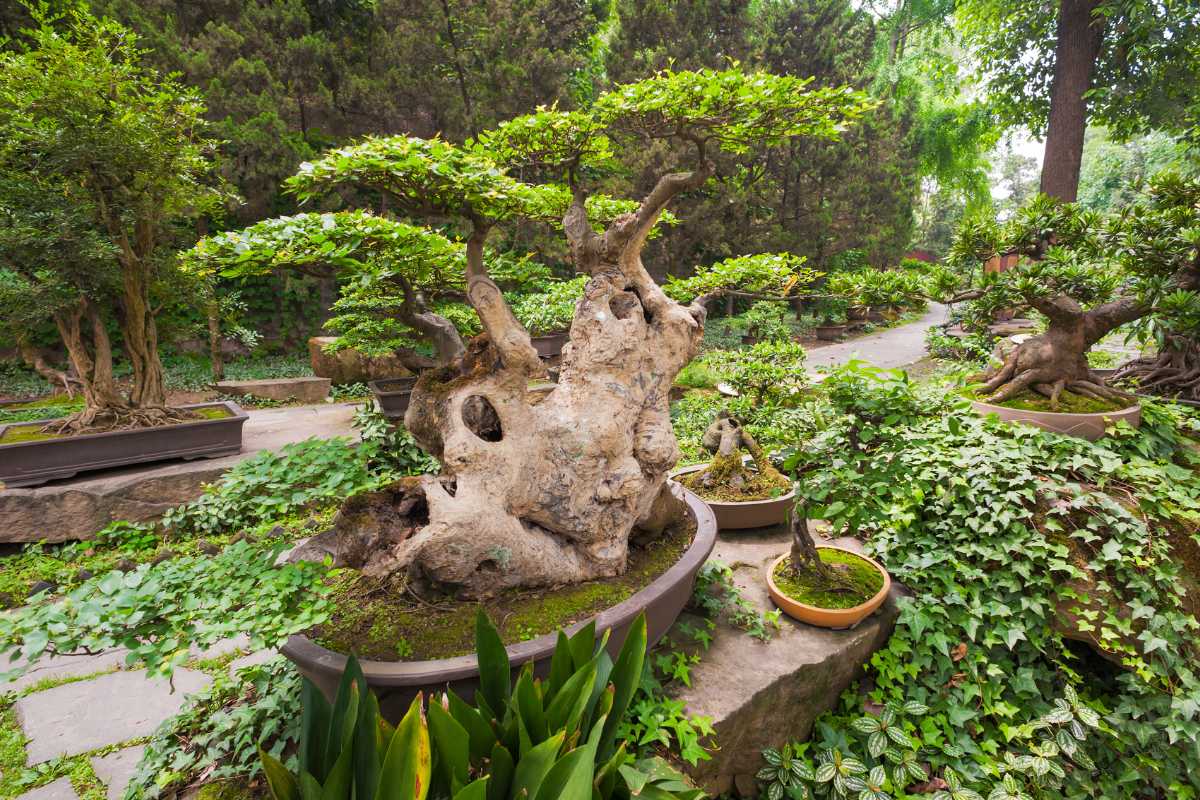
(395, 683)
(34, 463)
(393, 395)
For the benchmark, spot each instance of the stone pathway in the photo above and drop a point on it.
(890, 347)
(98, 707)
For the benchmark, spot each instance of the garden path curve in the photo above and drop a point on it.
(889, 347)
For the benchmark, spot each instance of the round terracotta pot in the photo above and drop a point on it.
(828, 617)
(396, 683)
(749, 514)
(1085, 426)
(551, 344)
(830, 333)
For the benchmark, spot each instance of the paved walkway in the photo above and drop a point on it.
(889, 347)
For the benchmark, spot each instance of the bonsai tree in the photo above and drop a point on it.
(547, 493)
(1088, 277)
(99, 157)
(731, 476)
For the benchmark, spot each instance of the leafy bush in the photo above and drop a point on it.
(769, 320)
(973, 347)
(761, 273)
(550, 310)
(217, 734)
(768, 372)
(1014, 538)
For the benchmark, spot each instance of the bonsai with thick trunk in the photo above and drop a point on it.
(1088, 277)
(546, 490)
(101, 157)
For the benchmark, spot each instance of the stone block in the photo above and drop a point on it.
(351, 366)
(79, 717)
(55, 667)
(764, 694)
(115, 769)
(306, 390)
(261, 657)
(60, 789)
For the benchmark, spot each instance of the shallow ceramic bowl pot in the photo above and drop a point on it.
(393, 395)
(397, 682)
(1085, 426)
(732, 516)
(828, 617)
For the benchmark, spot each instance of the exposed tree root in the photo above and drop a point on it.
(1174, 372)
(103, 420)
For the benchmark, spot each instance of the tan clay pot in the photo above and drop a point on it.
(1085, 426)
(733, 516)
(828, 617)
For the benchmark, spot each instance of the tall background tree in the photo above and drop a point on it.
(1130, 65)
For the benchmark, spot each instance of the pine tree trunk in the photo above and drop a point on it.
(1080, 34)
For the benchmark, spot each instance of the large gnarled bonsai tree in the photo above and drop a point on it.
(546, 492)
(1089, 276)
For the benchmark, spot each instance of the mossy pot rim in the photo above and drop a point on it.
(828, 617)
(662, 600)
(733, 515)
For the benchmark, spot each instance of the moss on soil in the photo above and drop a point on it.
(866, 580)
(380, 623)
(1068, 403)
(712, 482)
(15, 434)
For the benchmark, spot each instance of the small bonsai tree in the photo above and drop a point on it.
(547, 492)
(100, 158)
(1088, 277)
(730, 475)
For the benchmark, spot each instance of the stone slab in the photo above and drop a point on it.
(764, 694)
(80, 717)
(115, 769)
(78, 507)
(351, 366)
(56, 667)
(306, 390)
(222, 648)
(261, 657)
(60, 789)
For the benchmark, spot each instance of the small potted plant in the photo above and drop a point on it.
(740, 485)
(766, 321)
(547, 315)
(826, 586)
(832, 311)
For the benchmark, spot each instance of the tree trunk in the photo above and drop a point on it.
(33, 358)
(216, 358)
(140, 337)
(1080, 34)
(90, 351)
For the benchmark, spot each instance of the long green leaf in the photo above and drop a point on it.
(501, 768)
(476, 790)
(570, 702)
(351, 677)
(479, 731)
(626, 676)
(314, 728)
(340, 782)
(571, 776)
(405, 772)
(495, 674)
(452, 744)
(583, 645)
(530, 707)
(561, 667)
(533, 766)
(366, 748)
(281, 782)
(310, 787)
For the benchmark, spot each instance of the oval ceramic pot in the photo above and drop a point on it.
(828, 617)
(748, 514)
(551, 344)
(395, 683)
(393, 395)
(830, 333)
(1085, 426)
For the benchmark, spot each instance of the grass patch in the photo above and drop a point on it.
(380, 622)
(864, 578)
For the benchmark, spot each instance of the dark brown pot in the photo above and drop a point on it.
(749, 514)
(830, 333)
(397, 682)
(857, 313)
(875, 316)
(34, 463)
(551, 344)
(393, 395)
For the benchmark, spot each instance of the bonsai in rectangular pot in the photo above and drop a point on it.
(30, 456)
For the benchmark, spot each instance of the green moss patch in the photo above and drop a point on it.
(714, 481)
(1068, 403)
(865, 581)
(15, 434)
(378, 622)
(213, 412)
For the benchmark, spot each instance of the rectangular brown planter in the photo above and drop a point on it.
(550, 345)
(33, 463)
(393, 395)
